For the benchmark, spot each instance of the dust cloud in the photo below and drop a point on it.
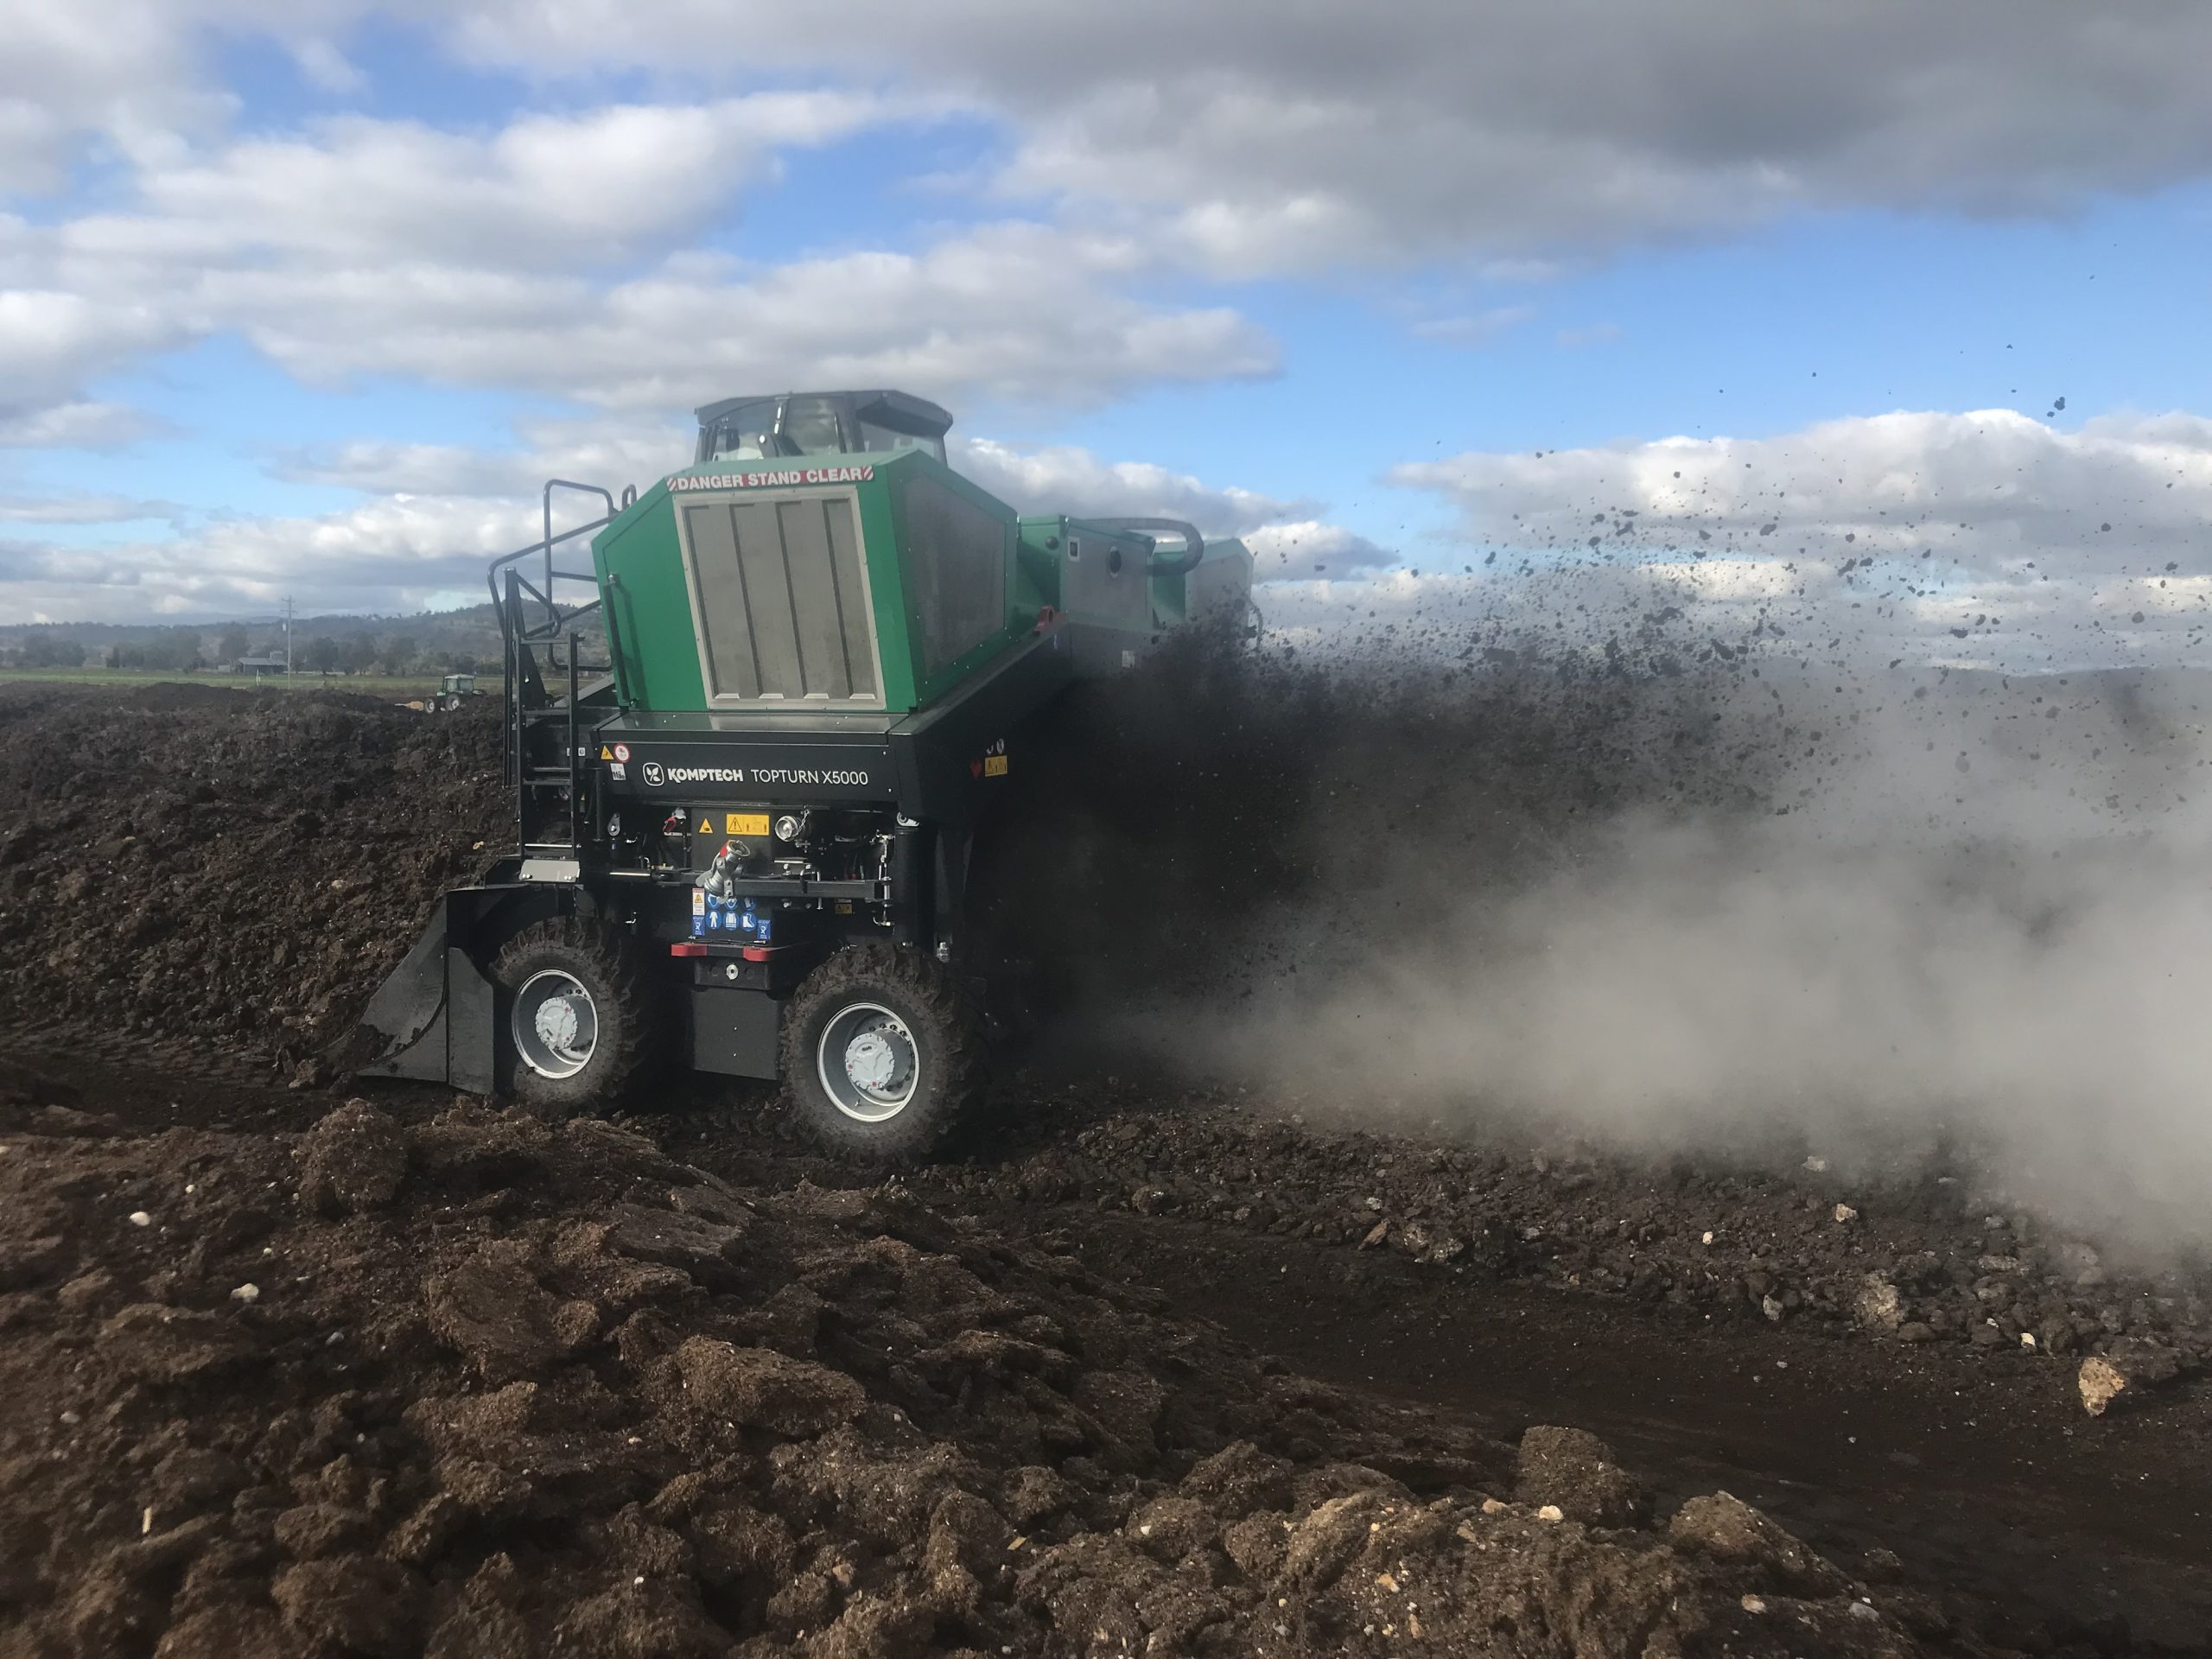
(1910, 921)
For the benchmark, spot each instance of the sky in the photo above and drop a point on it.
(1877, 305)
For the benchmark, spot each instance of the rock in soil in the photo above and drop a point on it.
(2127, 1368)
(1571, 1470)
(353, 1160)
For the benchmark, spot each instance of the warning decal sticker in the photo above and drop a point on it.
(782, 477)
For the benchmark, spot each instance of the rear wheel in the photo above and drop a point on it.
(575, 1016)
(882, 1054)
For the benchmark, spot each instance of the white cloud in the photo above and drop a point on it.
(1067, 479)
(546, 256)
(394, 554)
(51, 340)
(1978, 536)
(126, 70)
(1476, 330)
(74, 424)
(608, 451)
(1314, 136)
(326, 68)
(575, 192)
(70, 69)
(542, 254)
(82, 509)
(1310, 548)
(1992, 490)
(1010, 310)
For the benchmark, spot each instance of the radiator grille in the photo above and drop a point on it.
(783, 600)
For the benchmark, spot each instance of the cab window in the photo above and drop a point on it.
(811, 427)
(878, 439)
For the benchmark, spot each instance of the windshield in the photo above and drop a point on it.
(809, 426)
(879, 439)
(767, 428)
(744, 433)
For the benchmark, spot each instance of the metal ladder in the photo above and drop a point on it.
(551, 811)
(549, 796)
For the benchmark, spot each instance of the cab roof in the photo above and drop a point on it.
(907, 411)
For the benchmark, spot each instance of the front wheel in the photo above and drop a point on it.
(576, 1014)
(882, 1053)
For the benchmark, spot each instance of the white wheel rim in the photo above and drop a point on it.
(555, 1024)
(869, 1062)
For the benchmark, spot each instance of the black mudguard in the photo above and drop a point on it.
(433, 1018)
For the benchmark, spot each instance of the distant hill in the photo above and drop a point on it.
(425, 642)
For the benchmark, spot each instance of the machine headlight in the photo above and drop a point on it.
(790, 827)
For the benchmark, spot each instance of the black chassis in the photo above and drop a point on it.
(931, 776)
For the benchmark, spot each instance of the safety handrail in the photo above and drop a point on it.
(518, 608)
(553, 622)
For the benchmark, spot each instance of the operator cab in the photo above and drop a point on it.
(820, 423)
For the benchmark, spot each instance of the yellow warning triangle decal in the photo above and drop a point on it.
(606, 753)
(706, 826)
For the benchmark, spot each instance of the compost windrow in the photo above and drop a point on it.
(227, 875)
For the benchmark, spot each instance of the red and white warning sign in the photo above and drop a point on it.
(622, 752)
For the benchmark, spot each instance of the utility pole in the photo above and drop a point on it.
(288, 636)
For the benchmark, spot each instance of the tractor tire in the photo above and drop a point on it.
(883, 1055)
(579, 1026)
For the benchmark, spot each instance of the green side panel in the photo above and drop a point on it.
(1169, 607)
(1037, 561)
(886, 584)
(1101, 573)
(960, 589)
(641, 582)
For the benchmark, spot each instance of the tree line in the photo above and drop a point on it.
(184, 650)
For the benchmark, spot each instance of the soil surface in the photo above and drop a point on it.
(1972, 1458)
(458, 1381)
(1139, 1369)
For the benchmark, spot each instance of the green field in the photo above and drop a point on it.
(399, 686)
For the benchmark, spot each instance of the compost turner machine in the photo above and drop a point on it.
(751, 766)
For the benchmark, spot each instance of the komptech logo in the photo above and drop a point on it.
(655, 774)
